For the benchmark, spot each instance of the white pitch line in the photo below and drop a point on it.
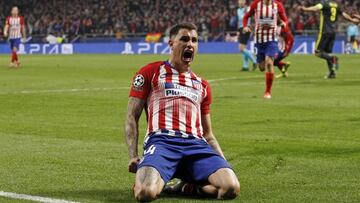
(127, 88)
(90, 89)
(65, 90)
(33, 198)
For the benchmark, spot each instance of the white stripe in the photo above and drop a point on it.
(271, 34)
(193, 120)
(169, 113)
(32, 198)
(182, 117)
(265, 36)
(188, 81)
(155, 102)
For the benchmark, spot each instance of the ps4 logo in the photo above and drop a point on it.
(46, 49)
(145, 48)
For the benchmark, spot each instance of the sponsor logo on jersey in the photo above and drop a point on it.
(175, 90)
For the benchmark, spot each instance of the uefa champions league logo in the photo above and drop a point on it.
(139, 81)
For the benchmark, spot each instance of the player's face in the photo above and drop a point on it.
(241, 3)
(184, 46)
(14, 11)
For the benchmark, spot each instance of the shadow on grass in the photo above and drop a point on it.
(120, 195)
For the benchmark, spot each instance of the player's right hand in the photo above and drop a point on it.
(5, 34)
(246, 29)
(133, 163)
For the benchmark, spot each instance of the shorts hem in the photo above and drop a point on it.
(156, 168)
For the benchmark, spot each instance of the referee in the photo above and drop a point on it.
(329, 13)
(244, 37)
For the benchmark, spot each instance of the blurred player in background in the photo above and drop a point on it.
(286, 42)
(180, 142)
(15, 30)
(244, 37)
(329, 12)
(266, 14)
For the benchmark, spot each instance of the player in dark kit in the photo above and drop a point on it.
(329, 12)
(287, 40)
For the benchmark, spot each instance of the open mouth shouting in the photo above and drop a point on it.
(187, 55)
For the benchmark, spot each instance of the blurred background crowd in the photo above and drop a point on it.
(127, 19)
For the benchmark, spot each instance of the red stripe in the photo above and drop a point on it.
(262, 16)
(154, 82)
(188, 117)
(197, 124)
(187, 106)
(150, 117)
(272, 16)
(168, 79)
(175, 120)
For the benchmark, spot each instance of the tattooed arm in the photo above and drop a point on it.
(135, 107)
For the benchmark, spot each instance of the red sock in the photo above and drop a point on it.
(269, 81)
(13, 57)
(280, 65)
(16, 56)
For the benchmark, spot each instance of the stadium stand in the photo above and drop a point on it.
(119, 20)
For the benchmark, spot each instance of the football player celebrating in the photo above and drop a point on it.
(15, 30)
(330, 11)
(266, 14)
(288, 41)
(180, 142)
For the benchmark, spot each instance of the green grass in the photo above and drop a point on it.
(301, 146)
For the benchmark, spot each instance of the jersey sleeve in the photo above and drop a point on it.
(282, 14)
(249, 13)
(206, 102)
(141, 85)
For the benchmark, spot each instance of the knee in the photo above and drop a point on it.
(262, 67)
(230, 190)
(145, 193)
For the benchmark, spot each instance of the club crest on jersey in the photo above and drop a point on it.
(139, 81)
(197, 84)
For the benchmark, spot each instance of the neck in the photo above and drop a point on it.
(181, 68)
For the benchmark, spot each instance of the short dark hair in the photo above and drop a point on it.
(175, 29)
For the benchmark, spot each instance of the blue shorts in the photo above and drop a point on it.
(280, 56)
(269, 49)
(15, 43)
(189, 159)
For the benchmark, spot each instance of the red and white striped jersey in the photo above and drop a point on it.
(266, 18)
(15, 25)
(174, 101)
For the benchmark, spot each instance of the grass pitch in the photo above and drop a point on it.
(62, 117)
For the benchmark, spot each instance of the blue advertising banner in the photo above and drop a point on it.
(302, 45)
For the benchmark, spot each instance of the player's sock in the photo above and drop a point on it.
(269, 81)
(280, 65)
(245, 61)
(330, 67)
(16, 57)
(13, 56)
(249, 55)
(326, 56)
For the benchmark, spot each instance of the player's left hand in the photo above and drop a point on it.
(23, 40)
(133, 163)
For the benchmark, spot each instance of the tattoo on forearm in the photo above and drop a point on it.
(135, 107)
